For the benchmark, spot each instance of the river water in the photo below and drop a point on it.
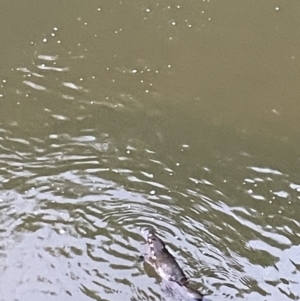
(181, 115)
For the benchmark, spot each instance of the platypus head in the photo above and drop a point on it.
(153, 241)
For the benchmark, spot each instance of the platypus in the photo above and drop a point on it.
(167, 268)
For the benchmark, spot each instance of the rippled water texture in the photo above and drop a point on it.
(178, 115)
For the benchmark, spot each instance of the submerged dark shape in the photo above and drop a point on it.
(167, 268)
(183, 292)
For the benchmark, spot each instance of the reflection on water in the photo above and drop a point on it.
(127, 115)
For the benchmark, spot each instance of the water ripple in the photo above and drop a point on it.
(95, 146)
(34, 85)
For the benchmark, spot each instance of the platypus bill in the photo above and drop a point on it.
(167, 268)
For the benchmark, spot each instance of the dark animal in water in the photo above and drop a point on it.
(167, 268)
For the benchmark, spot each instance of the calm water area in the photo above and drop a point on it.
(180, 115)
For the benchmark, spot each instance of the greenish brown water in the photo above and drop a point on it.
(179, 115)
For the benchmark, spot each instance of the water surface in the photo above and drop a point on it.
(179, 115)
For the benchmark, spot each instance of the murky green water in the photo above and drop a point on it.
(180, 115)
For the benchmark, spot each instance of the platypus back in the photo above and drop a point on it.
(167, 268)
